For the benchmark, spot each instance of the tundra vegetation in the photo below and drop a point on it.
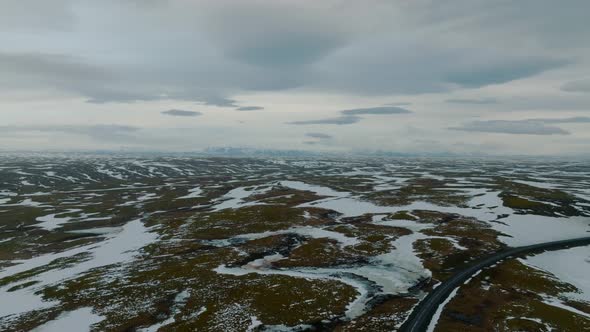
(235, 244)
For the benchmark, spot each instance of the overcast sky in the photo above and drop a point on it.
(461, 76)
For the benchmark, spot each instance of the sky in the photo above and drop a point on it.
(498, 77)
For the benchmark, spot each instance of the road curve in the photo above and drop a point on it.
(422, 314)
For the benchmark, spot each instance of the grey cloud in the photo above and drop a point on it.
(104, 132)
(342, 120)
(502, 72)
(294, 48)
(103, 84)
(576, 119)
(277, 46)
(219, 101)
(555, 101)
(403, 66)
(181, 113)
(37, 15)
(539, 126)
(544, 22)
(36, 69)
(352, 116)
(384, 110)
(482, 101)
(272, 34)
(70, 74)
(44, 65)
(525, 127)
(250, 108)
(318, 135)
(212, 51)
(320, 138)
(577, 86)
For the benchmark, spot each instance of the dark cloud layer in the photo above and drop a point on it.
(575, 119)
(540, 126)
(216, 49)
(341, 120)
(318, 135)
(181, 113)
(318, 139)
(218, 101)
(250, 108)
(272, 34)
(577, 86)
(102, 132)
(502, 72)
(352, 115)
(482, 101)
(399, 104)
(384, 110)
(511, 127)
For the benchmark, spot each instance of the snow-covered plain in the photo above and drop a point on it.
(118, 243)
(569, 265)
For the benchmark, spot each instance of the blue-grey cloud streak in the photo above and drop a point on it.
(175, 112)
(352, 115)
(250, 108)
(541, 126)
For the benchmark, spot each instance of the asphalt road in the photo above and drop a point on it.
(422, 314)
